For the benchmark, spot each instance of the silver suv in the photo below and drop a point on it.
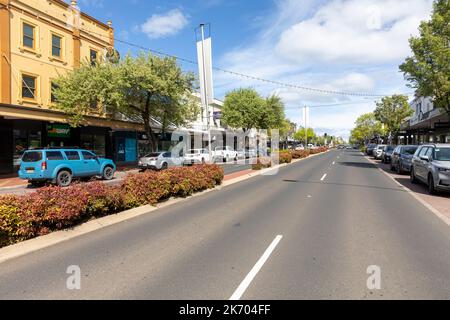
(431, 165)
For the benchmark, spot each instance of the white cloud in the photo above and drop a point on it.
(340, 45)
(164, 25)
(361, 31)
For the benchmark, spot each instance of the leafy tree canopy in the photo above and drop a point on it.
(428, 69)
(147, 86)
(392, 112)
(245, 108)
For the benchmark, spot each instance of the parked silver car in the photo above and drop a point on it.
(160, 161)
(431, 165)
(402, 158)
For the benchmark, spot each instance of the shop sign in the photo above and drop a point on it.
(58, 130)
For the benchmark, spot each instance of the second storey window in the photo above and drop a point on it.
(56, 46)
(29, 87)
(28, 36)
(94, 56)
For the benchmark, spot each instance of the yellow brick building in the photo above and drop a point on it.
(40, 40)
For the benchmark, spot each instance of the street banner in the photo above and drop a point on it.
(205, 58)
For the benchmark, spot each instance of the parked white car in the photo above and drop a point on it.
(246, 153)
(196, 156)
(378, 151)
(160, 161)
(224, 154)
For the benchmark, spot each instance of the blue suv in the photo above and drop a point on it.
(60, 166)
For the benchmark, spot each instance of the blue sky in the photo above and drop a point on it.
(343, 45)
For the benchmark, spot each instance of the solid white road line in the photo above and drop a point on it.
(324, 176)
(251, 275)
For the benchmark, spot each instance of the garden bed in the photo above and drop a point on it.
(53, 208)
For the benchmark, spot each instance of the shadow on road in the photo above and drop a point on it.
(344, 185)
(358, 165)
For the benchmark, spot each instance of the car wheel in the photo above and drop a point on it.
(64, 178)
(108, 173)
(431, 188)
(164, 166)
(412, 176)
(392, 167)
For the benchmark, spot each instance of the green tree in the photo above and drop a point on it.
(366, 127)
(242, 108)
(300, 135)
(148, 87)
(245, 108)
(273, 116)
(392, 112)
(428, 69)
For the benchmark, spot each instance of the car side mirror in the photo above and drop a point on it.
(425, 158)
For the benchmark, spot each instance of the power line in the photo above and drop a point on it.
(242, 75)
(332, 105)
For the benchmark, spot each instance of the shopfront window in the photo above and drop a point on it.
(25, 140)
(143, 148)
(95, 143)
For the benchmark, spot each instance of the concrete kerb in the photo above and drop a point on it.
(35, 244)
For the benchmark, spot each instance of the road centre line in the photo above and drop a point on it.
(251, 275)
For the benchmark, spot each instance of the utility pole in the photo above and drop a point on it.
(305, 115)
(206, 106)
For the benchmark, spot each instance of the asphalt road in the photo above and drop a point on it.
(295, 235)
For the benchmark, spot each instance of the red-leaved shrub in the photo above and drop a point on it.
(54, 208)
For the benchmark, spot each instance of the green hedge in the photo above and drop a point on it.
(286, 157)
(54, 208)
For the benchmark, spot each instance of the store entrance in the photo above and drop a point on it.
(6, 143)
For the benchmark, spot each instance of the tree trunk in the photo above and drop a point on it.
(147, 125)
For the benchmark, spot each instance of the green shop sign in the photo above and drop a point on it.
(58, 130)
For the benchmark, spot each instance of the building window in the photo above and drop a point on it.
(28, 36)
(25, 140)
(94, 57)
(53, 98)
(94, 142)
(56, 46)
(29, 87)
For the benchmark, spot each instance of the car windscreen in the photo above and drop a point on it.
(442, 154)
(409, 150)
(390, 148)
(32, 156)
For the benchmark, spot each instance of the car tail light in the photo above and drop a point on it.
(44, 165)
